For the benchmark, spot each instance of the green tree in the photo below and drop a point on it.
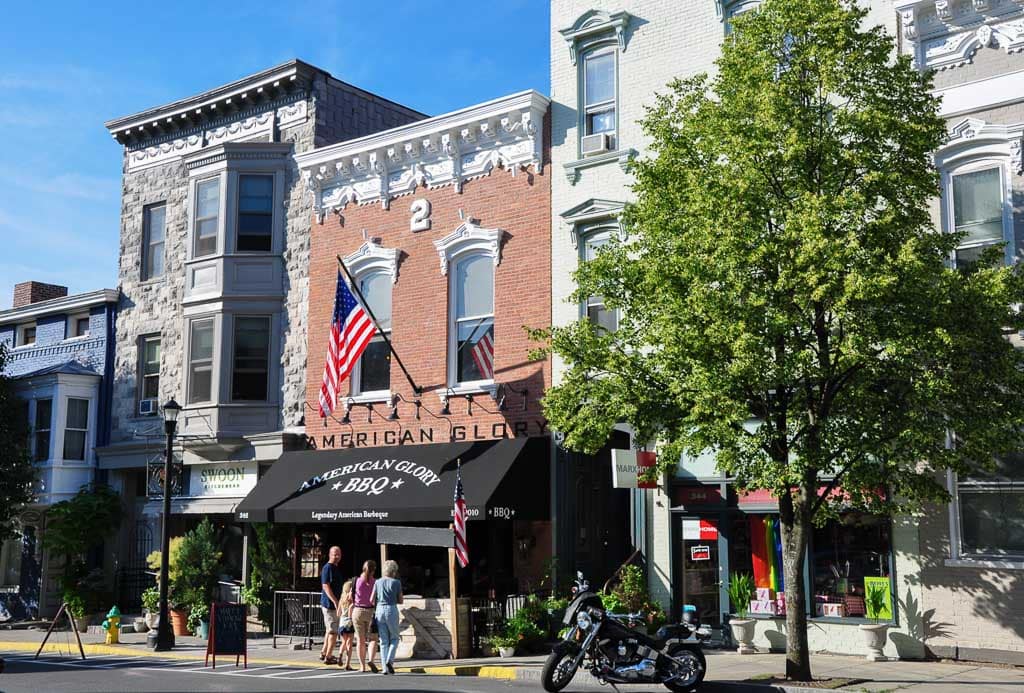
(197, 567)
(785, 300)
(73, 528)
(17, 473)
(269, 569)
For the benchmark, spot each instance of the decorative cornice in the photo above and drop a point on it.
(261, 125)
(445, 150)
(593, 23)
(972, 137)
(946, 34)
(592, 211)
(469, 237)
(371, 256)
(55, 306)
(236, 151)
(253, 91)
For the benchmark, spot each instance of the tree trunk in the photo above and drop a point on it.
(795, 524)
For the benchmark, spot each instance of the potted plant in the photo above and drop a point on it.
(194, 582)
(504, 643)
(741, 591)
(878, 604)
(199, 621)
(151, 606)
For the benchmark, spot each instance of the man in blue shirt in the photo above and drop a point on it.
(331, 581)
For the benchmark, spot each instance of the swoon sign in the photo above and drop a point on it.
(372, 477)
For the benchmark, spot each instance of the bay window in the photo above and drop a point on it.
(200, 368)
(41, 430)
(207, 217)
(251, 359)
(76, 428)
(255, 213)
(372, 375)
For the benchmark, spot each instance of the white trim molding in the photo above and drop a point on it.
(990, 92)
(372, 257)
(945, 34)
(445, 150)
(469, 237)
(972, 138)
(589, 212)
(595, 23)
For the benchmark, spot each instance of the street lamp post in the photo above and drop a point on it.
(164, 635)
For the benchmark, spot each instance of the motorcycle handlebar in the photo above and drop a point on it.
(627, 617)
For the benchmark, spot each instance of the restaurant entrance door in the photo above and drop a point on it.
(700, 575)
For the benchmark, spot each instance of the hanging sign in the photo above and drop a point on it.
(701, 552)
(629, 465)
(700, 530)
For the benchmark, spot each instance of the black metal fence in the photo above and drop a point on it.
(297, 615)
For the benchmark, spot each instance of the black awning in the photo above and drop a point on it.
(414, 483)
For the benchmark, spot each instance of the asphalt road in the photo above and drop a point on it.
(105, 673)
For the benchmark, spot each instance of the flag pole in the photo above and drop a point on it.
(359, 294)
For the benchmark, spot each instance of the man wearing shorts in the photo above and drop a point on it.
(331, 581)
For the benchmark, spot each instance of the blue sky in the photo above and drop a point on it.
(66, 67)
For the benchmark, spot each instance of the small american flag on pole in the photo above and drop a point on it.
(459, 516)
(351, 330)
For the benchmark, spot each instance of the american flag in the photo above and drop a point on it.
(459, 515)
(483, 355)
(351, 330)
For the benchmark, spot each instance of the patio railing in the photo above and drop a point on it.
(297, 615)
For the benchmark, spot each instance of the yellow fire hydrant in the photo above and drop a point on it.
(113, 625)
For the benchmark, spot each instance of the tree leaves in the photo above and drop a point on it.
(17, 473)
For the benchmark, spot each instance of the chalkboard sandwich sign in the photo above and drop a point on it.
(227, 632)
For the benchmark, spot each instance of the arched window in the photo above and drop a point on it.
(471, 347)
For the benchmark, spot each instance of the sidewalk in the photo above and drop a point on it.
(727, 671)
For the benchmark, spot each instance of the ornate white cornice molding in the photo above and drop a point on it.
(594, 24)
(944, 34)
(974, 138)
(445, 150)
(371, 256)
(469, 237)
(262, 125)
(590, 212)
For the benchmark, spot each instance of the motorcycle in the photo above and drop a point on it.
(617, 653)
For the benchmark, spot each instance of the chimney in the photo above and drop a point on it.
(28, 293)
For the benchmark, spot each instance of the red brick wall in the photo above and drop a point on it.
(27, 293)
(520, 206)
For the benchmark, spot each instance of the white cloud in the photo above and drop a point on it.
(74, 185)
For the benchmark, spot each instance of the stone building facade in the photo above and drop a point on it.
(214, 278)
(955, 570)
(59, 356)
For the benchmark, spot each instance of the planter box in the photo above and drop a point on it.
(179, 622)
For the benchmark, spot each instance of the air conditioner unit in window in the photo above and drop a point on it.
(595, 144)
(148, 407)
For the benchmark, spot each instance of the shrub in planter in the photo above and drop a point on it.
(741, 591)
(194, 584)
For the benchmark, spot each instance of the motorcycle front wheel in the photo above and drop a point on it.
(691, 673)
(560, 667)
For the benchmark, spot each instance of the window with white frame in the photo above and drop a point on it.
(472, 319)
(76, 428)
(372, 375)
(200, 367)
(153, 236)
(255, 213)
(251, 358)
(26, 334)
(599, 88)
(78, 325)
(990, 510)
(207, 217)
(977, 199)
(600, 316)
(149, 367)
(41, 428)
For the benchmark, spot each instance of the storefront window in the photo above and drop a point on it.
(845, 555)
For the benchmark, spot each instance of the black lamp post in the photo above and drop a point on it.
(164, 635)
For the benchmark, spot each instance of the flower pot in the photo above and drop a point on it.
(140, 625)
(743, 633)
(179, 622)
(506, 651)
(152, 619)
(203, 631)
(874, 638)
